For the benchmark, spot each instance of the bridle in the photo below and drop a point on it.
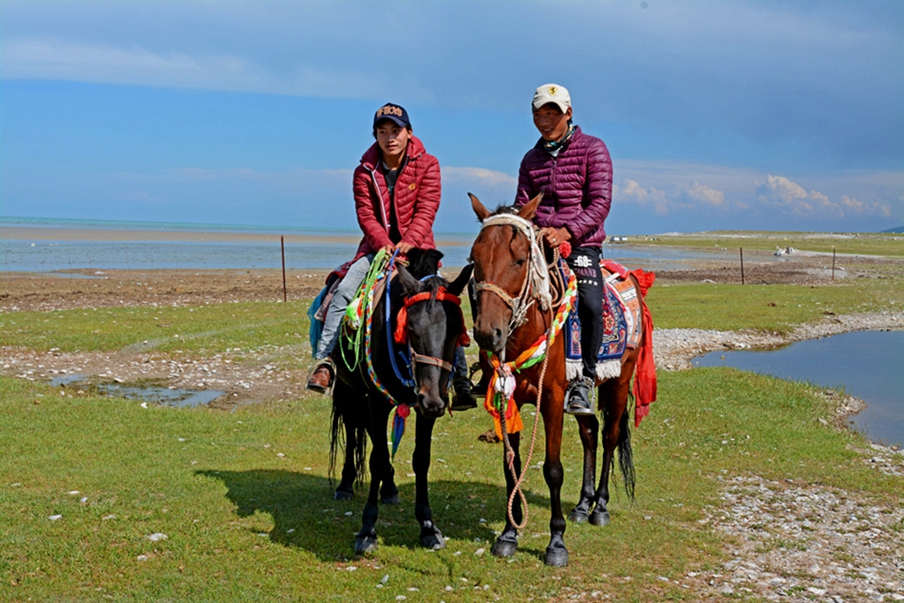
(534, 286)
(401, 333)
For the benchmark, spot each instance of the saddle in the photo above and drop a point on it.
(622, 318)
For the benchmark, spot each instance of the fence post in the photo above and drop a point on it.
(282, 247)
(742, 264)
(833, 262)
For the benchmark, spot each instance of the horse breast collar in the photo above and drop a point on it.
(536, 284)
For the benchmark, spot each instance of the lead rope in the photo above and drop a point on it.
(509, 452)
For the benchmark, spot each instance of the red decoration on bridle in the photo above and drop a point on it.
(401, 332)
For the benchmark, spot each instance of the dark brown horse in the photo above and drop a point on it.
(432, 330)
(509, 320)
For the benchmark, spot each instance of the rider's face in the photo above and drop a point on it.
(392, 138)
(551, 122)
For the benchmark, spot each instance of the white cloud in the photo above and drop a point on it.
(479, 176)
(705, 194)
(55, 59)
(633, 192)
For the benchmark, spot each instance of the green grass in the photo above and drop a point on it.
(891, 245)
(246, 524)
(777, 308)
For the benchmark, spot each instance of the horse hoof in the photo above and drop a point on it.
(434, 541)
(365, 545)
(343, 495)
(504, 548)
(578, 516)
(556, 557)
(600, 519)
(392, 499)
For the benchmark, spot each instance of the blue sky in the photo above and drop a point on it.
(718, 115)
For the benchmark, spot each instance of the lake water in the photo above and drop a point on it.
(866, 364)
(24, 255)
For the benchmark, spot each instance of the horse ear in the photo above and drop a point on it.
(482, 212)
(461, 281)
(529, 209)
(410, 285)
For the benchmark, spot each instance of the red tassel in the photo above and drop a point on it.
(645, 378)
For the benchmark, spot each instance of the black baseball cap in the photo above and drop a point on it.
(393, 112)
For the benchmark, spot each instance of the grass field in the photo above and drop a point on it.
(890, 245)
(244, 499)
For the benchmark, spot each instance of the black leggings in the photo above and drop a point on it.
(585, 262)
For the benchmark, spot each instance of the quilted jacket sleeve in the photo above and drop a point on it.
(427, 193)
(597, 192)
(368, 209)
(525, 190)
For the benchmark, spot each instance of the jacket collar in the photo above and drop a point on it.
(372, 156)
(577, 134)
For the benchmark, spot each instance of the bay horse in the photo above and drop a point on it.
(365, 394)
(509, 319)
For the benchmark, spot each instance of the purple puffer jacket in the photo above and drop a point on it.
(576, 186)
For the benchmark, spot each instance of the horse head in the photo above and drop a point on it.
(501, 256)
(435, 327)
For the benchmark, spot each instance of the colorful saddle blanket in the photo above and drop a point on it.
(621, 324)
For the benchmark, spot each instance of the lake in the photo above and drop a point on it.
(867, 364)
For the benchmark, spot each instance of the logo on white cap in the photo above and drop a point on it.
(552, 93)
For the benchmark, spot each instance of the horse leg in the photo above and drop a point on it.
(588, 428)
(366, 539)
(345, 490)
(507, 542)
(556, 552)
(344, 417)
(613, 396)
(431, 537)
(389, 492)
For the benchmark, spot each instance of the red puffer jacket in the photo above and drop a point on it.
(576, 186)
(417, 194)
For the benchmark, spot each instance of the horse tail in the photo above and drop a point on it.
(626, 454)
(338, 442)
(337, 439)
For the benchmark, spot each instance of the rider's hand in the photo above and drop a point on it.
(555, 236)
(404, 247)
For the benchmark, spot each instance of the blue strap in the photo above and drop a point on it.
(408, 382)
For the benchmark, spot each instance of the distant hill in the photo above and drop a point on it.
(894, 230)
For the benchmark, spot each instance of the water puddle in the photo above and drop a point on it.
(155, 394)
(865, 364)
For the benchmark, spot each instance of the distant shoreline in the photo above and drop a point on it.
(61, 233)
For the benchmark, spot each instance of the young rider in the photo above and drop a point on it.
(573, 170)
(397, 193)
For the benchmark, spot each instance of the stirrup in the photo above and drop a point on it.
(331, 366)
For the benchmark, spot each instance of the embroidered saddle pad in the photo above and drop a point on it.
(621, 324)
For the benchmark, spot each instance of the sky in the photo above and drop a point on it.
(723, 114)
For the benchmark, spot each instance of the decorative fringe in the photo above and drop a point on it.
(608, 369)
(573, 369)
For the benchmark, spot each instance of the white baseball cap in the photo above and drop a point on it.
(552, 93)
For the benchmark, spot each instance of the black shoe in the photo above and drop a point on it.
(462, 398)
(577, 397)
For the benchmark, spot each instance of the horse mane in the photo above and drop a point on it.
(424, 262)
(505, 209)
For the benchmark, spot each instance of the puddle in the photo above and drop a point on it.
(147, 393)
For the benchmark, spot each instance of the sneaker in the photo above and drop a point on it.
(578, 397)
(462, 398)
(321, 379)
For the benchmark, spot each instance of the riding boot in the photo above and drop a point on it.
(577, 398)
(462, 398)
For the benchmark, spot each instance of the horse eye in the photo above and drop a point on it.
(520, 261)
